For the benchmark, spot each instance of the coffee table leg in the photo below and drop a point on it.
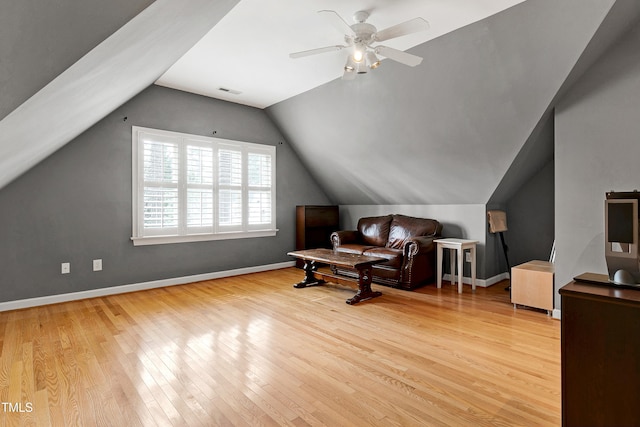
(364, 287)
(309, 279)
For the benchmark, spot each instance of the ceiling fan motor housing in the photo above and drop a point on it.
(360, 16)
(363, 33)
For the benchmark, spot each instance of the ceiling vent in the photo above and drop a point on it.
(232, 91)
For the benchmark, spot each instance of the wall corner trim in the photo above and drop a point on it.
(95, 293)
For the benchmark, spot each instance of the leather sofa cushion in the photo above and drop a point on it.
(393, 255)
(404, 227)
(382, 271)
(374, 231)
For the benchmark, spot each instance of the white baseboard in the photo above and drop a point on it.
(114, 290)
(75, 296)
(556, 314)
(483, 283)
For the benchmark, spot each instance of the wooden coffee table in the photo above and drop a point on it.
(361, 263)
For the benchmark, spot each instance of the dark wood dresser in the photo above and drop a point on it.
(600, 355)
(314, 225)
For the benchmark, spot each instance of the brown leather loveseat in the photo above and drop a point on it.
(406, 242)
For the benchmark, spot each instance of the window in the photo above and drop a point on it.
(190, 188)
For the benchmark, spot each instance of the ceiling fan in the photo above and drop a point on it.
(360, 39)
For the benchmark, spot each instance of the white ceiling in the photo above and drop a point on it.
(248, 50)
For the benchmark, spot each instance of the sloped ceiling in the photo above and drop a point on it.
(41, 39)
(447, 131)
(538, 150)
(128, 61)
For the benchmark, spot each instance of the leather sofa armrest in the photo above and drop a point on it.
(419, 244)
(343, 237)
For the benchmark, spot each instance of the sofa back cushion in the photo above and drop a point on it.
(374, 230)
(404, 227)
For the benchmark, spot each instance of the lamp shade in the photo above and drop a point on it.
(497, 221)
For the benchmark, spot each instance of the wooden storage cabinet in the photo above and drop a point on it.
(532, 285)
(314, 225)
(600, 355)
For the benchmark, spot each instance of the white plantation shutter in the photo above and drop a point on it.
(200, 188)
(259, 188)
(160, 208)
(230, 184)
(161, 175)
(189, 188)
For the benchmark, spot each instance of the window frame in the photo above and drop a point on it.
(184, 233)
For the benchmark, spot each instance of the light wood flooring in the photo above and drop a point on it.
(252, 350)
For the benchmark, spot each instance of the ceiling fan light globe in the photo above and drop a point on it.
(373, 60)
(359, 52)
(350, 66)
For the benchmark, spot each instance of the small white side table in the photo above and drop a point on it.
(459, 245)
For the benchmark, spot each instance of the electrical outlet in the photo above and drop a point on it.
(65, 268)
(468, 256)
(97, 265)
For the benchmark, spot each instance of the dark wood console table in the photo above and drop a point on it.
(361, 263)
(600, 354)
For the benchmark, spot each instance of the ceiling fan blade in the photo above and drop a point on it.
(412, 26)
(399, 56)
(336, 20)
(315, 51)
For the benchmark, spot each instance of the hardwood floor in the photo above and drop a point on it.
(252, 350)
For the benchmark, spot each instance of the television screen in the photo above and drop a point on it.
(621, 238)
(620, 225)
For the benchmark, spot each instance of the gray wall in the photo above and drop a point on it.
(526, 194)
(76, 205)
(597, 150)
(530, 219)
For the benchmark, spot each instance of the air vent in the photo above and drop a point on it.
(232, 91)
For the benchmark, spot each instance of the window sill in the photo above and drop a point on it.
(162, 240)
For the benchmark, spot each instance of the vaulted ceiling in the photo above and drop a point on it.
(445, 132)
(254, 40)
(103, 78)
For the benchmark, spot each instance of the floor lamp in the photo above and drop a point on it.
(498, 224)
